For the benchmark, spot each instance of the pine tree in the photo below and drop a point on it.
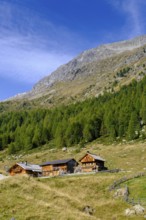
(134, 127)
(143, 108)
(110, 124)
(87, 133)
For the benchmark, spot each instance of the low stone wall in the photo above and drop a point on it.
(125, 179)
(124, 192)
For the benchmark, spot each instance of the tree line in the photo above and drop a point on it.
(114, 115)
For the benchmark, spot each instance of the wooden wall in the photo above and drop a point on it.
(87, 158)
(17, 170)
(53, 170)
(89, 164)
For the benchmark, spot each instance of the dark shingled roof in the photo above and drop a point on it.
(57, 162)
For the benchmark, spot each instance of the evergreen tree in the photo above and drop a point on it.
(143, 108)
(110, 124)
(87, 133)
(134, 127)
(36, 141)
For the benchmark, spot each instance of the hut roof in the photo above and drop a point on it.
(55, 162)
(28, 166)
(94, 156)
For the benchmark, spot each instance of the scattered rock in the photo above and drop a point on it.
(64, 149)
(88, 210)
(123, 192)
(130, 212)
(135, 210)
(139, 209)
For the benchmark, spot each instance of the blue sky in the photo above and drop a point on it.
(37, 36)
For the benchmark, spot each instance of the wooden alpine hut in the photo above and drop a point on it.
(91, 162)
(26, 168)
(58, 167)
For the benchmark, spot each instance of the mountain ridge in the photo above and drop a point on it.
(96, 54)
(89, 64)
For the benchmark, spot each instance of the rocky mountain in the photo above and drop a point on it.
(103, 68)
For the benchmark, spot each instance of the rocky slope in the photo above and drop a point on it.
(92, 72)
(69, 70)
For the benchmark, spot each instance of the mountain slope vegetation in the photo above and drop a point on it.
(112, 115)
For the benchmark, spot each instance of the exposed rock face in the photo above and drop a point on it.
(93, 71)
(69, 70)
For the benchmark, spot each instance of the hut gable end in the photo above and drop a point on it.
(87, 158)
(91, 162)
(16, 169)
(25, 168)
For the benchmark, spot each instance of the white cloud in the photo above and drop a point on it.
(23, 61)
(30, 46)
(133, 17)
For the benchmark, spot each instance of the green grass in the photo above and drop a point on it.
(129, 157)
(59, 198)
(137, 188)
(62, 198)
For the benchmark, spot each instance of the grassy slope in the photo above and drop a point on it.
(59, 198)
(140, 184)
(64, 197)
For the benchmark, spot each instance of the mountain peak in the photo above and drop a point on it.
(92, 68)
(95, 54)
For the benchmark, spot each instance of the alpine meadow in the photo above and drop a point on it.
(74, 147)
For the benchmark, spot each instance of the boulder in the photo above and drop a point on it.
(64, 149)
(135, 210)
(139, 209)
(88, 210)
(130, 212)
(123, 192)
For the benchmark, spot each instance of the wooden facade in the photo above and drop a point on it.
(25, 168)
(88, 163)
(58, 167)
(91, 162)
